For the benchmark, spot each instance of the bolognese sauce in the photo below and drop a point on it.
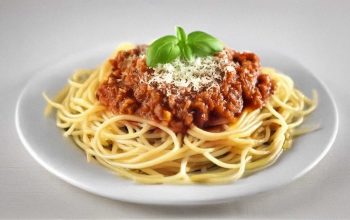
(134, 88)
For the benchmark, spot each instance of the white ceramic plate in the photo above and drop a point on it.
(44, 141)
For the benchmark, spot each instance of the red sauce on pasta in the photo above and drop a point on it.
(127, 91)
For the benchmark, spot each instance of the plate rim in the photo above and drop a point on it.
(228, 198)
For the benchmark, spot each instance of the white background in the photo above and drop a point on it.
(35, 34)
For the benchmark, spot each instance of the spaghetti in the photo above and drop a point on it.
(150, 152)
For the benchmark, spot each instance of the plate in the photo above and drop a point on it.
(45, 143)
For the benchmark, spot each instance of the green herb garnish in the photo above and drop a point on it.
(170, 47)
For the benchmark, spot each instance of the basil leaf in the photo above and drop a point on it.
(168, 48)
(163, 50)
(186, 51)
(181, 35)
(203, 44)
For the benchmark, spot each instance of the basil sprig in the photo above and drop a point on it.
(170, 47)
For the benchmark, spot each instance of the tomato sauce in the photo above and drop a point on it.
(126, 91)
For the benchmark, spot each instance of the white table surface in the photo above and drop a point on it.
(35, 34)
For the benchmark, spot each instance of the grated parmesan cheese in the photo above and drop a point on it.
(201, 72)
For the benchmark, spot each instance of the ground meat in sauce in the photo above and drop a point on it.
(127, 92)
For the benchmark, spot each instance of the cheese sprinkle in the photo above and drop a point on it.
(196, 74)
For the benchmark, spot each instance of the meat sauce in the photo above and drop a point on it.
(126, 91)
